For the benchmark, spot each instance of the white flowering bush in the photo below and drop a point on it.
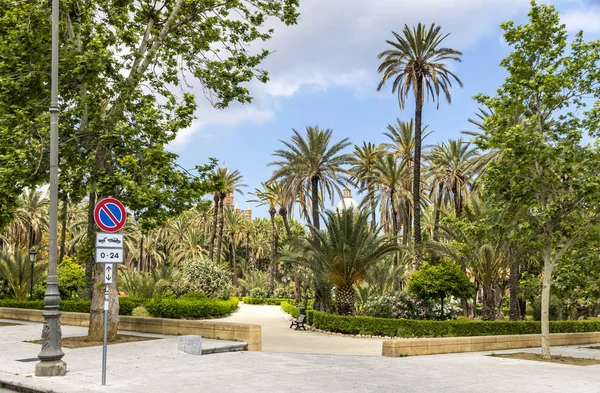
(399, 306)
(202, 275)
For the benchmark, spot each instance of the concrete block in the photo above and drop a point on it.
(190, 344)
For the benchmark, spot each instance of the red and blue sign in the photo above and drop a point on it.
(110, 215)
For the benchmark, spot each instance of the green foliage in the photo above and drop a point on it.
(440, 281)
(193, 296)
(259, 293)
(460, 328)
(290, 308)
(71, 278)
(15, 270)
(268, 301)
(555, 311)
(255, 279)
(191, 309)
(142, 284)
(126, 305)
(202, 275)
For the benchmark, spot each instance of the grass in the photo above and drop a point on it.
(140, 311)
(555, 359)
(83, 342)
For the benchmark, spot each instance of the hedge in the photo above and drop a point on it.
(126, 305)
(191, 309)
(417, 328)
(270, 301)
(290, 309)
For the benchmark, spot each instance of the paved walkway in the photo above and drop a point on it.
(278, 337)
(157, 366)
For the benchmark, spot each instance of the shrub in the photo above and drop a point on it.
(259, 293)
(380, 306)
(281, 292)
(71, 278)
(399, 305)
(290, 309)
(268, 301)
(411, 328)
(555, 310)
(191, 309)
(126, 305)
(202, 275)
(193, 296)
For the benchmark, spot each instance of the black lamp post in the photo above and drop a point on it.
(32, 257)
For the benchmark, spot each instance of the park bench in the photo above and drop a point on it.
(299, 322)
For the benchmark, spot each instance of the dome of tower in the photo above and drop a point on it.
(347, 201)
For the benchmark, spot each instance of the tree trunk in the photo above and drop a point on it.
(345, 298)
(89, 267)
(514, 285)
(417, 173)
(395, 229)
(141, 251)
(96, 327)
(298, 289)
(247, 251)
(284, 216)
(234, 261)
(273, 251)
(315, 201)
(214, 227)
(548, 269)
(438, 208)
(322, 294)
(488, 312)
(221, 222)
(63, 230)
(373, 208)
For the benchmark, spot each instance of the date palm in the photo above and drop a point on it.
(31, 219)
(15, 269)
(346, 251)
(363, 172)
(267, 196)
(314, 160)
(229, 181)
(416, 61)
(234, 221)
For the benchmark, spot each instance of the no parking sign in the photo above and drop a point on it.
(110, 215)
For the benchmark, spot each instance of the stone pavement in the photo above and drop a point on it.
(157, 366)
(278, 337)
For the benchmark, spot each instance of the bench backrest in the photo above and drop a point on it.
(301, 318)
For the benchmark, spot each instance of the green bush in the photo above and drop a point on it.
(126, 305)
(202, 275)
(191, 309)
(193, 296)
(459, 328)
(555, 310)
(290, 309)
(268, 301)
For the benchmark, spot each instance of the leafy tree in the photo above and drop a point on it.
(71, 278)
(545, 176)
(440, 282)
(416, 61)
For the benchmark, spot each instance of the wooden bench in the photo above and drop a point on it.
(299, 322)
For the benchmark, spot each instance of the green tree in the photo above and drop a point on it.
(363, 173)
(269, 197)
(545, 175)
(416, 61)
(440, 282)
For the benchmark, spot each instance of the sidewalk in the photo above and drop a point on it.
(157, 366)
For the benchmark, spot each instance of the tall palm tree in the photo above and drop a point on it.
(268, 196)
(313, 160)
(234, 221)
(346, 251)
(230, 181)
(363, 172)
(31, 219)
(416, 61)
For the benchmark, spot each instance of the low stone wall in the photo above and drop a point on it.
(432, 346)
(249, 333)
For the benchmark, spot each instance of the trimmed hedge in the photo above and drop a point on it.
(191, 309)
(126, 305)
(290, 309)
(416, 328)
(270, 301)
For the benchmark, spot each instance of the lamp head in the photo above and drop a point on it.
(32, 254)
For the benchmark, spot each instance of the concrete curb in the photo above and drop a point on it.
(23, 388)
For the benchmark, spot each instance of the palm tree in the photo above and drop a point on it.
(364, 174)
(417, 62)
(31, 219)
(268, 196)
(346, 251)
(255, 279)
(234, 221)
(15, 269)
(312, 160)
(230, 181)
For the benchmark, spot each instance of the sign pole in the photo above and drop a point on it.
(104, 345)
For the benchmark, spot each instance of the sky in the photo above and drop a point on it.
(323, 71)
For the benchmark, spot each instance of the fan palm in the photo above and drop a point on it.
(363, 172)
(315, 161)
(416, 61)
(346, 251)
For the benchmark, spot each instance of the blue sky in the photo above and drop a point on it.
(323, 72)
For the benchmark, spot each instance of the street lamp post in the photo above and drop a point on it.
(32, 256)
(51, 363)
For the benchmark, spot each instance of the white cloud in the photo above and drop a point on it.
(335, 44)
(587, 20)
